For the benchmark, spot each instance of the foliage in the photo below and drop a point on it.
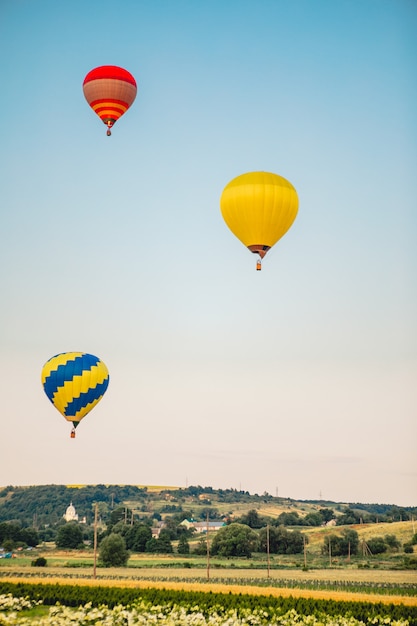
(14, 533)
(392, 542)
(70, 536)
(377, 545)
(113, 551)
(288, 519)
(183, 545)
(137, 537)
(282, 541)
(47, 503)
(161, 545)
(252, 519)
(350, 516)
(341, 545)
(235, 540)
(201, 547)
(39, 562)
(164, 542)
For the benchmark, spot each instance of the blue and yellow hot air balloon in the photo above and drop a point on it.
(74, 382)
(259, 208)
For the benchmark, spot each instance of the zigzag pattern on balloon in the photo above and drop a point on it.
(86, 400)
(75, 382)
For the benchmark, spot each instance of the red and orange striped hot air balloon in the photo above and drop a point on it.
(110, 91)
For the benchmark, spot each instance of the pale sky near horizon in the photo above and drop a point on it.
(299, 380)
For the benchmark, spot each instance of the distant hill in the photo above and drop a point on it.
(45, 505)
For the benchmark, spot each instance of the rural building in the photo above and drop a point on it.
(201, 527)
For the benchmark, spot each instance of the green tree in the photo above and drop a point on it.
(121, 515)
(137, 538)
(183, 545)
(327, 514)
(288, 519)
(349, 517)
(342, 545)
(313, 519)
(201, 547)
(69, 536)
(235, 540)
(392, 542)
(281, 540)
(9, 530)
(112, 552)
(377, 545)
(152, 545)
(164, 542)
(29, 536)
(251, 519)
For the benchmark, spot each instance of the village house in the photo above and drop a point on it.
(201, 527)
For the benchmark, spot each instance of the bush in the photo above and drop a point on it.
(39, 562)
(377, 545)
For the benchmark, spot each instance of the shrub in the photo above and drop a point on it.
(377, 545)
(39, 562)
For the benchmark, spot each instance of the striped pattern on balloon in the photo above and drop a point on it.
(110, 91)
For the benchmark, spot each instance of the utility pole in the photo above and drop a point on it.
(305, 552)
(330, 552)
(208, 547)
(267, 549)
(95, 539)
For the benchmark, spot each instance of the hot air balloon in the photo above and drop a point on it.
(74, 382)
(110, 91)
(259, 208)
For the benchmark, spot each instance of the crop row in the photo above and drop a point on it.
(208, 602)
(382, 588)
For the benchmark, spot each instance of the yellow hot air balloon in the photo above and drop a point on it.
(74, 382)
(259, 208)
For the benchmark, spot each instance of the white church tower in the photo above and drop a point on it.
(70, 514)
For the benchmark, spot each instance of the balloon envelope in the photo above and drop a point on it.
(259, 208)
(74, 382)
(110, 91)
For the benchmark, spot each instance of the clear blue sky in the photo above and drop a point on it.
(298, 380)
